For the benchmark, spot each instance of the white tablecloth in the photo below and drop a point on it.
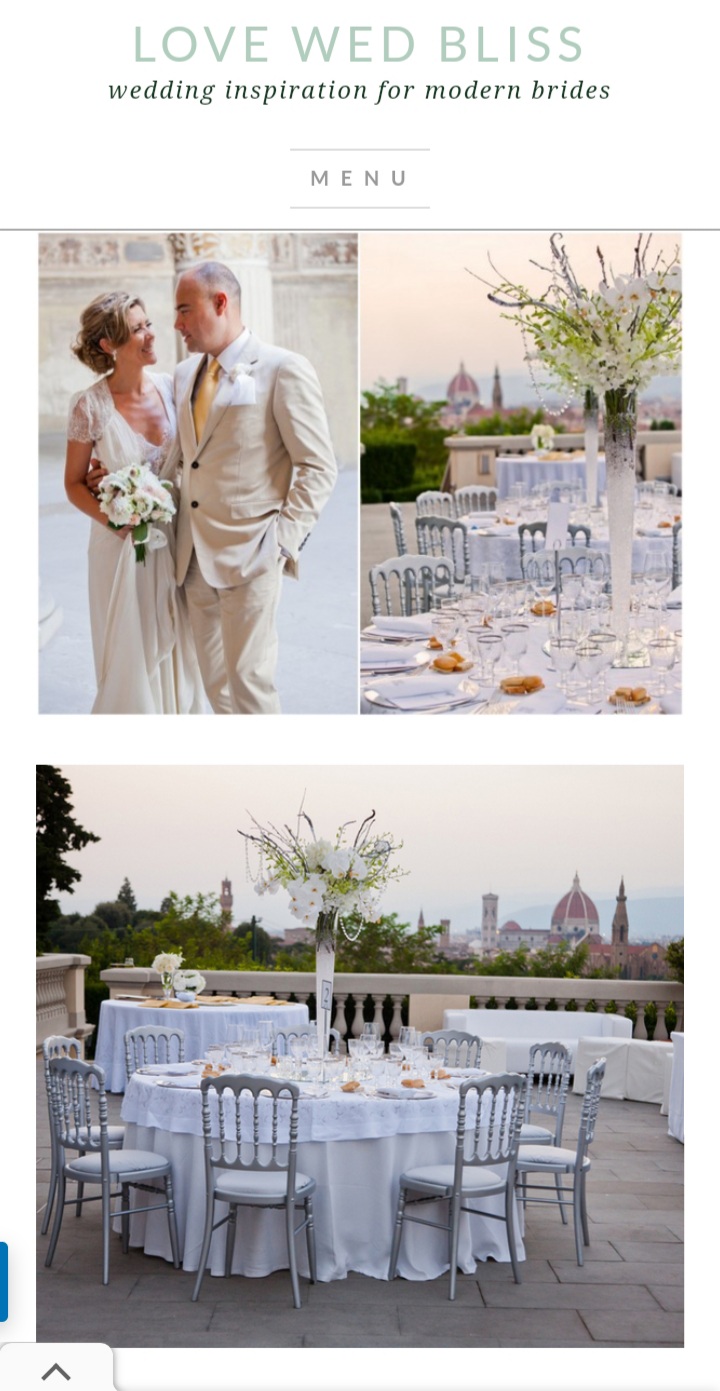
(676, 1116)
(549, 701)
(499, 544)
(529, 470)
(354, 1146)
(202, 1026)
(635, 1069)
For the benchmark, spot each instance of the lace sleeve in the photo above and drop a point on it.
(88, 416)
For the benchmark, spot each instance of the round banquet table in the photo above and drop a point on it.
(201, 1026)
(410, 687)
(529, 470)
(491, 543)
(354, 1146)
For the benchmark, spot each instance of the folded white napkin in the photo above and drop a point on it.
(404, 1093)
(374, 655)
(545, 702)
(671, 704)
(655, 531)
(418, 624)
(419, 692)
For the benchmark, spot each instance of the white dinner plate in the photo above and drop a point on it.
(189, 1082)
(166, 1069)
(466, 694)
(410, 662)
(405, 1093)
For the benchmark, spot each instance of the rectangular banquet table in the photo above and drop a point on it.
(635, 1068)
(354, 1146)
(529, 470)
(494, 542)
(201, 1026)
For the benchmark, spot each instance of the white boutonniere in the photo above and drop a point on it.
(243, 385)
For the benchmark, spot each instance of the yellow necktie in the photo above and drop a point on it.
(205, 395)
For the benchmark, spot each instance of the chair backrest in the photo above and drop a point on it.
(79, 1105)
(495, 1134)
(532, 538)
(448, 537)
(408, 583)
(434, 503)
(255, 1126)
(590, 1107)
(548, 1079)
(676, 554)
(153, 1043)
(285, 1037)
(398, 528)
(475, 499)
(454, 1047)
(578, 560)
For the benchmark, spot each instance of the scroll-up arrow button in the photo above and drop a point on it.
(56, 1368)
(43, 1366)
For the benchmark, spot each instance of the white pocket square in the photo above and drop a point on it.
(243, 391)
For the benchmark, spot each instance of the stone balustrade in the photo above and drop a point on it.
(420, 999)
(60, 997)
(471, 458)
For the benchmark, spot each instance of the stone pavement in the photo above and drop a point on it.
(377, 543)
(317, 619)
(628, 1294)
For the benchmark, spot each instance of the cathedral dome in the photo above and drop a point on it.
(463, 388)
(575, 914)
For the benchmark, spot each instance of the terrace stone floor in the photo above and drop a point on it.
(628, 1294)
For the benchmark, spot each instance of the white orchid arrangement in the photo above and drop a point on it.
(613, 338)
(134, 496)
(325, 878)
(542, 436)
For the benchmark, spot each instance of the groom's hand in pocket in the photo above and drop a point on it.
(94, 476)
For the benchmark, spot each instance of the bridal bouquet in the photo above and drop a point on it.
(328, 881)
(136, 497)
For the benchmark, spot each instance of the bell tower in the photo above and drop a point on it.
(621, 933)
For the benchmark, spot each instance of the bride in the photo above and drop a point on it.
(145, 662)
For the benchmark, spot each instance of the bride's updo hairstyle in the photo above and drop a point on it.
(105, 317)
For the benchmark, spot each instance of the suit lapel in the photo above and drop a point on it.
(223, 395)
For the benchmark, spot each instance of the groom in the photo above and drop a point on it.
(257, 469)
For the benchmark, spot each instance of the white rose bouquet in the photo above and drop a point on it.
(136, 497)
(542, 436)
(166, 963)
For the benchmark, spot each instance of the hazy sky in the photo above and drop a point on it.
(421, 313)
(520, 832)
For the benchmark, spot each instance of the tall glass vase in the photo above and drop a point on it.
(591, 447)
(324, 975)
(620, 415)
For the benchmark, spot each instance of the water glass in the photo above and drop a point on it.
(515, 637)
(485, 649)
(562, 652)
(589, 660)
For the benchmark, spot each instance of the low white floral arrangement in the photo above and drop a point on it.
(188, 982)
(167, 963)
(542, 436)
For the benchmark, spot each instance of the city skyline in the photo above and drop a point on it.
(422, 313)
(465, 832)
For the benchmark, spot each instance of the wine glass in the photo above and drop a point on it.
(657, 575)
(589, 659)
(486, 649)
(562, 652)
(609, 645)
(515, 637)
(662, 657)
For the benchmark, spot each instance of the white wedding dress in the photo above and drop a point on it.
(145, 661)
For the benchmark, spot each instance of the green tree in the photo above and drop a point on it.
(57, 834)
(388, 946)
(126, 896)
(519, 422)
(675, 957)
(390, 411)
(115, 915)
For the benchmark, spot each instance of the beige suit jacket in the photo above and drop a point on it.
(257, 480)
